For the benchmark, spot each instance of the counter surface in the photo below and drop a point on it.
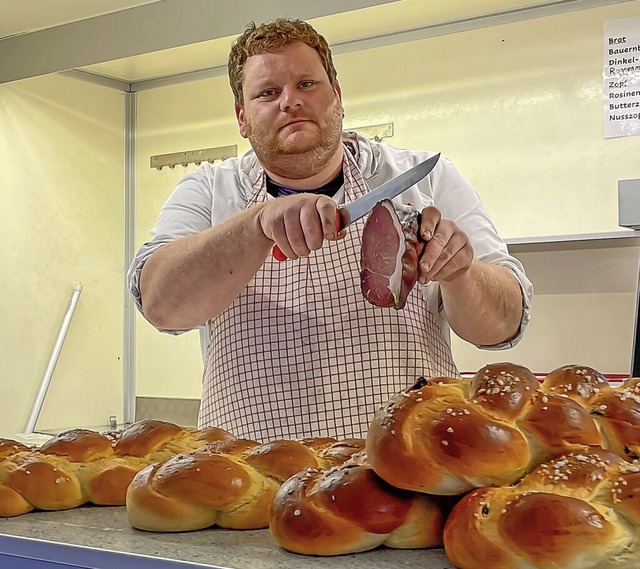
(107, 529)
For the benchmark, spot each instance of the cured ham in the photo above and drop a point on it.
(390, 252)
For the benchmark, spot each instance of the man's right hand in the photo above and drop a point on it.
(299, 224)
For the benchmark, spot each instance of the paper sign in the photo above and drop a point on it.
(621, 87)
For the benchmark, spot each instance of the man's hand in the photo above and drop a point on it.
(299, 224)
(448, 253)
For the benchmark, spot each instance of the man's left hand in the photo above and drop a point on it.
(448, 253)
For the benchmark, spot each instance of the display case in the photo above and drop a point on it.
(591, 263)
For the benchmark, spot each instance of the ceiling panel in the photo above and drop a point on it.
(184, 40)
(23, 16)
(366, 22)
(167, 62)
(408, 14)
(145, 28)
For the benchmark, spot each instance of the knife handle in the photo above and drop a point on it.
(280, 256)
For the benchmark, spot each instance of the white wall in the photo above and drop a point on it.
(61, 222)
(519, 109)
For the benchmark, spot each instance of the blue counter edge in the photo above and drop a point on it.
(27, 553)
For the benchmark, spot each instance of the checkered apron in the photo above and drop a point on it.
(300, 352)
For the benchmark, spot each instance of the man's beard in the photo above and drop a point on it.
(297, 159)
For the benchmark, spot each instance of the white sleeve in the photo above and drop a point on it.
(458, 201)
(186, 212)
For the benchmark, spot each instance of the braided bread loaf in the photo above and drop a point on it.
(578, 511)
(80, 466)
(447, 436)
(11, 501)
(349, 509)
(230, 483)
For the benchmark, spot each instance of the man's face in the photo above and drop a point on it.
(290, 108)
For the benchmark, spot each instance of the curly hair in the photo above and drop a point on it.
(276, 34)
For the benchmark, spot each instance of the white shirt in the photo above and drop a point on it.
(211, 194)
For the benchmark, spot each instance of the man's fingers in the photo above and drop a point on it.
(300, 224)
(312, 227)
(279, 236)
(295, 232)
(434, 247)
(429, 219)
(447, 254)
(327, 211)
(445, 263)
(458, 263)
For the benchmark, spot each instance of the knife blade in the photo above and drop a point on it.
(358, 208)
(353, 211)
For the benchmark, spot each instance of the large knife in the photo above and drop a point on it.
(358, 208)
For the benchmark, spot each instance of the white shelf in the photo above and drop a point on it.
(586, 263)
(575, 242)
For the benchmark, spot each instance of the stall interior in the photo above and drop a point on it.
(511, 92)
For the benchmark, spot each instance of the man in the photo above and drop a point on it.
(292, 349)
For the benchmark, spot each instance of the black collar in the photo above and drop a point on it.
(329, 189)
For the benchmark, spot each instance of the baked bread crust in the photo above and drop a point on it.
(448, 436)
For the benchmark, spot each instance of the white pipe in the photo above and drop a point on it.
(53, 360)
(129, 311)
